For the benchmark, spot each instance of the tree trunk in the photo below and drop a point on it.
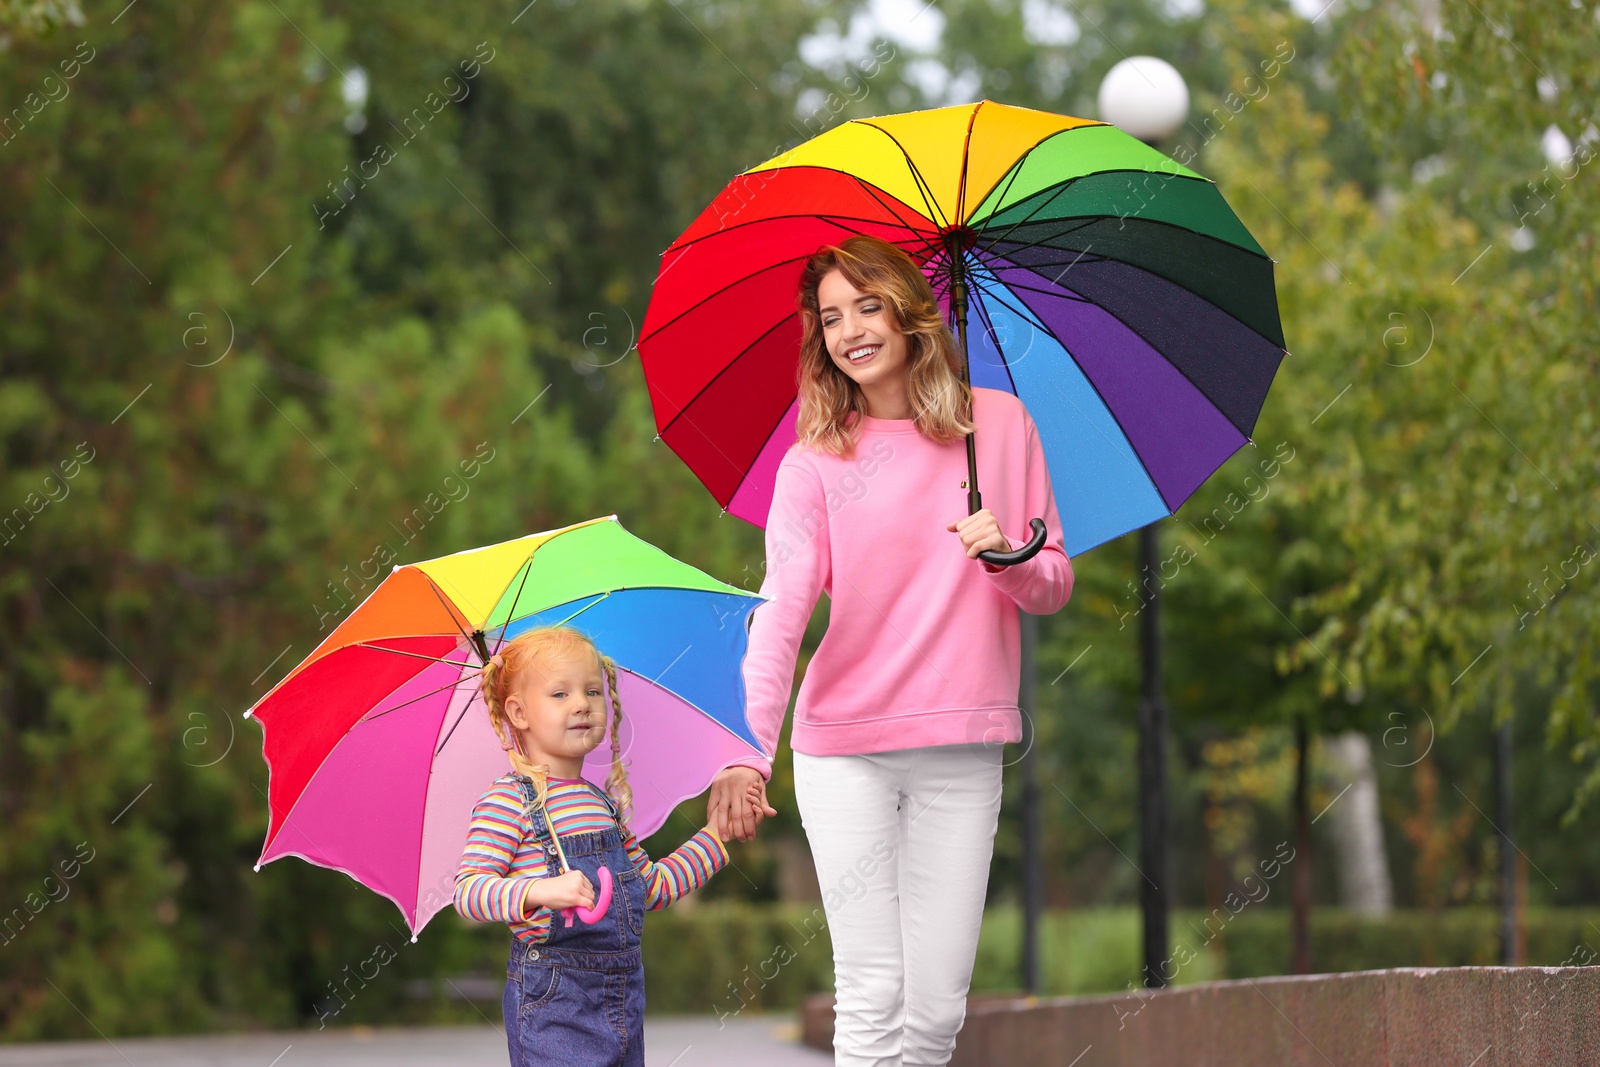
(1357, 825)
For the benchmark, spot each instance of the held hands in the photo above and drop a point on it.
(980, 533)
(738, 803)
(570, 890)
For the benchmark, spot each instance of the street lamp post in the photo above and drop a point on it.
(1032, 832)
(1147, 98)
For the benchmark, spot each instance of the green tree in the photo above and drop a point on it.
(220, 408)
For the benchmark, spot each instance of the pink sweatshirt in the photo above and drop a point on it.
(923, 644)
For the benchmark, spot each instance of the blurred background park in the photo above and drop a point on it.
(274, 275)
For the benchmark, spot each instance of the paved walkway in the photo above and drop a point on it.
(749, 1040)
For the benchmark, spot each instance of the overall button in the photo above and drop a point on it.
(533, 954)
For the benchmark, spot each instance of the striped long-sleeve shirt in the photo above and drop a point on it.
(503, 854)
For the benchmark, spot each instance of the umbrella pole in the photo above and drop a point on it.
(958, 305)
(958, 308)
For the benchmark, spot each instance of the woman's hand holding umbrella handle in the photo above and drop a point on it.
(980, 535)
(1026, 552)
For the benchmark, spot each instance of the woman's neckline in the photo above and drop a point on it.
(877, 425)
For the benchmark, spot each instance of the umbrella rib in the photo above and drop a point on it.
(1056, 190)
(1089, 219)
(1016, 169)
(653, 681)
(878, 195)
(1085, 221)
(684, 410)
(839, 220)
(413, 700)
(932, 216)
(1009, 255)
(448, 607)
(460, 681)
(724, 289)
(1058, 289)
(1011, 178)
(1037, 207)
(983, 313)
(922, 184)
(896, 220)
(689, 703)
(512, 611)
(587, 606)
(873, 190)
(834, 170)
(966, 158)
(766, 439)
(453, 725)
(527, 569)
(1044, 242)
(399, 652)
(683, 413)
(1034, 269)
(1128, 440)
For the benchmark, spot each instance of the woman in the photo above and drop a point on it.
(903, 711)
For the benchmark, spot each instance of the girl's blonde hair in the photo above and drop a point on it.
(528, 650)
(941, 402)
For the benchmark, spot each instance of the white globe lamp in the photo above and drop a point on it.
(1144, 97)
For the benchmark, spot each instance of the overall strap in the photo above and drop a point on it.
(534, 811)
(611, 806)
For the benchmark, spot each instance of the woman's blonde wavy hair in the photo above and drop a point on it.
(529, 650)
(941, 402)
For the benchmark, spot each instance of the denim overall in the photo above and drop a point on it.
(578, 998)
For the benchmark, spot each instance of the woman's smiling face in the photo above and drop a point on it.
(861, 324)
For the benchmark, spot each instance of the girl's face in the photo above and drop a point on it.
(860, 333)
(557, 707)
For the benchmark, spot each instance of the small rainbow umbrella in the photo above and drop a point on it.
(378, 743)
(1111, 289)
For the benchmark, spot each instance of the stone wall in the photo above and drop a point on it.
(1413, 1017)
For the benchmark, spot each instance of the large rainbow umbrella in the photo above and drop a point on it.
(1110, 288)
(378, 743)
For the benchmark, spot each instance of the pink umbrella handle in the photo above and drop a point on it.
(601, 904)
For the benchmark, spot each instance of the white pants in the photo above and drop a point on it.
(902, 842)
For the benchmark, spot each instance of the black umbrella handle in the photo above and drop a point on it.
(1021, 555)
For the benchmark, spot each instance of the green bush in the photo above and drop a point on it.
(1257, 943)
(724, 957)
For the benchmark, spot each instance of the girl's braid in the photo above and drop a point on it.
(617, 780)
(493, 682)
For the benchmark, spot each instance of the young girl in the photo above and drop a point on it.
(905, 707)
(574, 989)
